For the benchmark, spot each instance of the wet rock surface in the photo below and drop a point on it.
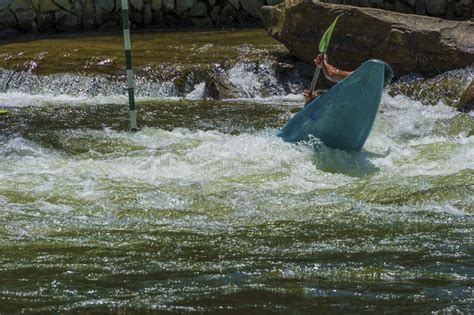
(209, 64)
(85, 15)
(411, 44)
(450, 88)
(452, 9)
(466, 103)
(81, 15)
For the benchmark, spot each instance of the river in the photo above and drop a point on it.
(205, 210)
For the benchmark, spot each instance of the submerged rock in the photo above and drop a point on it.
(411, 44)
(466, 104)
(447, 88)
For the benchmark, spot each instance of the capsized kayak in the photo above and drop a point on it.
(341, 118)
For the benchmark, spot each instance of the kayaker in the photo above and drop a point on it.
(331, 73)
(335, 75)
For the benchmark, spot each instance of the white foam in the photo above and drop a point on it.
(198, 92)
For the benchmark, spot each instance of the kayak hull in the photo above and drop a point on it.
(341, 118)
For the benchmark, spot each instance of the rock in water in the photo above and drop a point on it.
(410, 43)
(466, 104)
(252, 7)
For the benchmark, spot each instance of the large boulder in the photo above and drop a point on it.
(410, 43)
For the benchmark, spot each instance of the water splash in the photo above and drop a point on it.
(206, 209)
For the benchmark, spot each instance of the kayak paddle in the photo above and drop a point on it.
(323, 47)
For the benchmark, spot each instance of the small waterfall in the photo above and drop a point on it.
(237, 79)
(256, 73)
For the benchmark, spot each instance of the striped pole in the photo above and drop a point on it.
(128, 60)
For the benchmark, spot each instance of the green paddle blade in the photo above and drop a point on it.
(324, 43)
(3, 111)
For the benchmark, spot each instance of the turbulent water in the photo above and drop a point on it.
(206, 210)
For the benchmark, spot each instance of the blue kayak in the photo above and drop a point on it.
(342, 118)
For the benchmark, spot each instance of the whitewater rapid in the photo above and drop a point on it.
(205, 209)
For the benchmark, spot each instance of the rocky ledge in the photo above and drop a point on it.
(410, 43)
(85, 15)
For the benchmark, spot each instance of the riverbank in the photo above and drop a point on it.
(57, 16)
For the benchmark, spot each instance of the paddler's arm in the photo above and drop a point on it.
(330, 72)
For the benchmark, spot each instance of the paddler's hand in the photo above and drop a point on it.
(309, 96)
(321, 61)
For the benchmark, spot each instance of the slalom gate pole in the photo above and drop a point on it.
(128, 60)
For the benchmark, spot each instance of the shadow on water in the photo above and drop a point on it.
(45, 125)
(353, 164)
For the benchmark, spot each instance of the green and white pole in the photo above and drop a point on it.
(128, 60)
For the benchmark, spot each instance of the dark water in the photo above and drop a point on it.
(205, 210)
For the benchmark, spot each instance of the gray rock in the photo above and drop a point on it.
(104, 5)
(436, 7)
(215, 11)
(147, 15)
(228, 14)
(170, 19)
(168, 5)
(455, 9)
(157, 17)
(156, 5)
(110, 26)
(252, 7)
(466, 103)
(4, 4)
(235, 3)
(274, 2)
(65, 21)
(137, 4)
(104, 11)
(411, 44)
(201, 21)
(199, 10)
(88, 6)
(64, 4)
(7, 20)
(21, 6)
(26, 21)
(184, 5)
(420, 7)
(78, 9)
(89, 16)
(89, 24)
(403, 7)
(46, 21)
(45, 6)
(136, 17)
(211, 2)
(218, 88)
